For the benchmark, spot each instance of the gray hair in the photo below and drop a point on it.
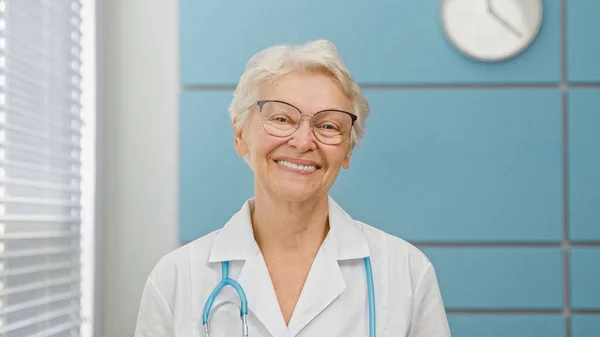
(320, 56)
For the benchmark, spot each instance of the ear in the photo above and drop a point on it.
(346, 162)
(241, 148)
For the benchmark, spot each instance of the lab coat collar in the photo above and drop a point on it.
(235, 241)
(325, 281)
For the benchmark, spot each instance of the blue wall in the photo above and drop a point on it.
(492, 169)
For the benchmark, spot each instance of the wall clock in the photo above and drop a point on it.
(491, 30)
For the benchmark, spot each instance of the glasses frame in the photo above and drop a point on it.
(297, 126)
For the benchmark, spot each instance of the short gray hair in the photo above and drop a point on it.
(320, 56)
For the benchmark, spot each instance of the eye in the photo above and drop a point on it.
(283, 119)
(328, 126)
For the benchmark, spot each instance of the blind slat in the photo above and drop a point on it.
(39, 218)
(38, 152)
(43, 137)
(26, 11)
(39, 235)
(30, 99)
(33, 103)
(24, 31)
(40, 202)
(39, 269)
(61, 85)
(21, 46)
(24, 60)
(46, 120)
(19, 30)
(41, 185)
(44, 169)
(59, 328)
(38, 252)
(38, 319)
(41, 285)
(38, 303)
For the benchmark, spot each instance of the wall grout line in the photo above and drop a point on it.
(508, 311)
(586, 311)
(566, 245)
(583, 85)
(504, 311)
(582, 244)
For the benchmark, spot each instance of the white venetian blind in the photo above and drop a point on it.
(40, 133)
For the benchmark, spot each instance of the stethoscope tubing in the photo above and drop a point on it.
(227, 281)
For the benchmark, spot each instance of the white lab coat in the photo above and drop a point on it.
(333, 302)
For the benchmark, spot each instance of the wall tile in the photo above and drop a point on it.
(585, 325)
(459, 165)
(214, 181)
(583, 44)
(501, 278)
(503, 325)
(584, 164)
(585, 278)
(382, 42)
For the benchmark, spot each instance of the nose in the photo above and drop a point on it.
(304, 139)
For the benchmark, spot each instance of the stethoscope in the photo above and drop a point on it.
(226, 281)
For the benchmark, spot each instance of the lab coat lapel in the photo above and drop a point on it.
(325, 281)
(262, 300)
(236, 242)
(323, 285)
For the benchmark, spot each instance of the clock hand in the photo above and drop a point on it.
(491, 10)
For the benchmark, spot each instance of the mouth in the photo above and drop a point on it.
(307, 168)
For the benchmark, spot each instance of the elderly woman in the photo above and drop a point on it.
(292, 262)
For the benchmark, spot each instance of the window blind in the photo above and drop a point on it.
(40, 151)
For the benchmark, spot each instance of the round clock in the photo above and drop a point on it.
(491, 30)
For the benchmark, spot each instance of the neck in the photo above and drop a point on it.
(293, 229)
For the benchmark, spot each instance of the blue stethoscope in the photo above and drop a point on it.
(226, 281)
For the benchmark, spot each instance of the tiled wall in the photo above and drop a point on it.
(492, 169)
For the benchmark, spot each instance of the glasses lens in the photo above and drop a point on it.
(279, 119)
(332, 127)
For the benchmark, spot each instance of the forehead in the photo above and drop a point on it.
(309, 92)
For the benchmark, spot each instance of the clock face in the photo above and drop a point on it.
(491, 30)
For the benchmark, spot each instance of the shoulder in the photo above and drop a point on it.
(397, 248)
(408, 284)
(173, 270)
(180, 258)
(399, 256)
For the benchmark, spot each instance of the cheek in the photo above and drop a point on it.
(263, 144)
(337, 158)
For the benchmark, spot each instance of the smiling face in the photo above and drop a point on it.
(298, 167)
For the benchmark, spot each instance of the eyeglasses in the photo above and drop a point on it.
(281, 119)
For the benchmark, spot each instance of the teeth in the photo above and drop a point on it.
(304, 168)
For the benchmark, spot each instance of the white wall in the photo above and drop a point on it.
(138, 152)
